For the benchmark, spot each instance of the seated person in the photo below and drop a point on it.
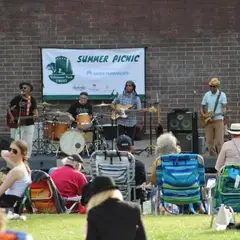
(68, 178)
(124, 143)
(230, 151)
(166, 144)
(18, 178)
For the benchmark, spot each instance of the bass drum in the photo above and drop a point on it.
(72, 142)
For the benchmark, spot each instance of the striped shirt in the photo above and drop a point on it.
(125, 99)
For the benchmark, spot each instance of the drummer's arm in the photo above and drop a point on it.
(70, 115)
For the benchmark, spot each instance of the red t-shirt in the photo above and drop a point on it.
(68, 181)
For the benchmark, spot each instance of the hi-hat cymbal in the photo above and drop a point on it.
(58, 113)
(44, 104)
(102, 105)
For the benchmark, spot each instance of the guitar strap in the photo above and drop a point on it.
(216, 103)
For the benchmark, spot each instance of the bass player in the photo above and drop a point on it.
(213, 108)
(128, 97)
(22, 111)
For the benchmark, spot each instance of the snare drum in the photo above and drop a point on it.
(56, 129)
(83, 121)
(72, 142)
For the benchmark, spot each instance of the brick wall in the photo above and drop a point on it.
(187, 42)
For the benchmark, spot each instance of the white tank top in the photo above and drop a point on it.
(19, 187)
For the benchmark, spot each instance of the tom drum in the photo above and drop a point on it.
(56, 129)
(84, 121)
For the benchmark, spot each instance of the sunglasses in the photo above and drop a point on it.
(24, 88)
(212, 86)
(15, 151)
(128, 85)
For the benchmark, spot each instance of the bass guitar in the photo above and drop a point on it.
(121, 110)
(16, 123)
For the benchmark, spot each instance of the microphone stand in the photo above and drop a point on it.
(115, 121)
(19, 119)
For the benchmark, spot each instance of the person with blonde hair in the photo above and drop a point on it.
(166, 144)
(19, 177)
(109, 217)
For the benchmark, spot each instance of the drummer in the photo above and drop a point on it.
(78, 107)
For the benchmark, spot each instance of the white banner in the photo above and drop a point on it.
(67, 72)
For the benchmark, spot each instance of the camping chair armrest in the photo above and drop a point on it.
(74, 199)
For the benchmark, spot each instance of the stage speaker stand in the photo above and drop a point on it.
(184, 126)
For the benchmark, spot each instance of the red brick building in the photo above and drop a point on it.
(187, 42)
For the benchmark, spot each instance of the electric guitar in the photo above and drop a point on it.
(203, 121)
(120, 111)
(15, 123)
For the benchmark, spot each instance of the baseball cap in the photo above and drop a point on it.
(76, 158)
(124, 142)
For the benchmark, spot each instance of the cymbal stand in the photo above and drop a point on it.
(100, 143)
(150, 147)
(42, 144)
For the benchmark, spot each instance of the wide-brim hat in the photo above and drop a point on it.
(214, 82)
(234, 129)
(101, 184)
(27, 84)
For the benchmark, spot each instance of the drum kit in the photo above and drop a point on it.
(55, 133)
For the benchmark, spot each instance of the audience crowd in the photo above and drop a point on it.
(101, 196)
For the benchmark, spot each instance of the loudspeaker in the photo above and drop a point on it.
(185, 140)
(42, 162)
(5, 142)
(180, 121)
(184, 126)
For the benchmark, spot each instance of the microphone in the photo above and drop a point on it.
(112, 94)
(21, 92)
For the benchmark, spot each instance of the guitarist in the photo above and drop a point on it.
(216, 102)
(128, 97)
(25, 106)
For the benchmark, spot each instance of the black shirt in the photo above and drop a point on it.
(19, 105)
(140, 176)
(77, 108)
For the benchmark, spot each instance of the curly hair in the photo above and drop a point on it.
(167, 143)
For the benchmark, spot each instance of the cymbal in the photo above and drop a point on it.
(58, 113)
(44, 104)
(102, 105)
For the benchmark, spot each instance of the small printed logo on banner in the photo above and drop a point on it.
(94, 88)
(62, 72)
(77, 88)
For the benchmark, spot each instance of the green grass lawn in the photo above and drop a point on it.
(64, 227)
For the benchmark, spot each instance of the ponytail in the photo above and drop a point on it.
(26, 164)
